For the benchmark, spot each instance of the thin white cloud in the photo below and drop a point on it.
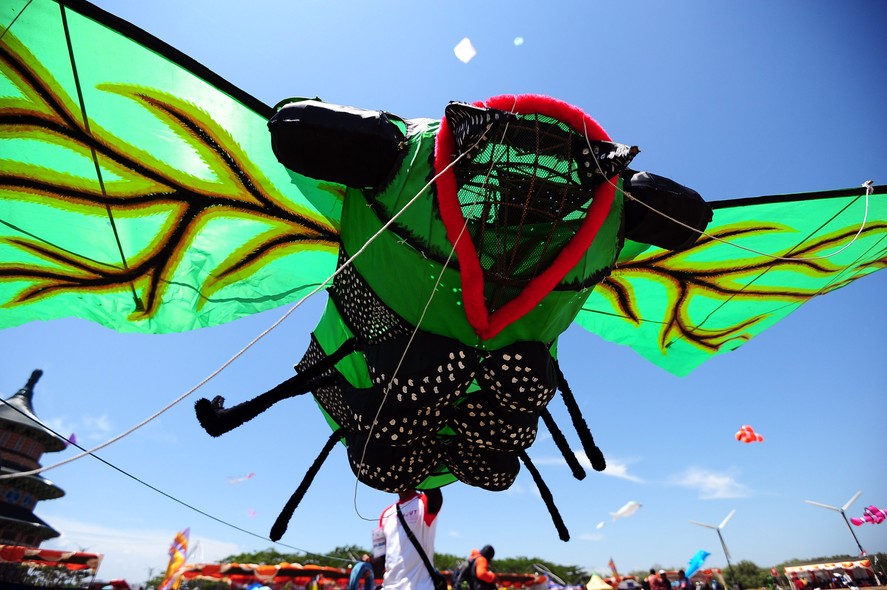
(711, 485)
(132, 554)
(615, 467)
(515, 490)
(60, 425)
(541, 436)
(549, 461)
(86, 428)
(96, 427)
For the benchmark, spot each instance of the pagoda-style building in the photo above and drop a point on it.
(22, 442)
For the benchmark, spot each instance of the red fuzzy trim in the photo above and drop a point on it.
(476, 311)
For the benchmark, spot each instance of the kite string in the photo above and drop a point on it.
(95, 157)
(243, 350)
(397, 368)
(155, 489)
(176, 401)
(15, 18)
(869, 190)
(403, 355)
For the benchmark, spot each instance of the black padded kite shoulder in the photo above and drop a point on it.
(661, 212)
(352, 146)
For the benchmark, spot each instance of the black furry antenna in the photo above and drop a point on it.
(562, 531)
(594, 454)
(286, 514)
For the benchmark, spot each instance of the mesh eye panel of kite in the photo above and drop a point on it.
(371, 320)
(480, 467)
(525, 190)
(520, 190)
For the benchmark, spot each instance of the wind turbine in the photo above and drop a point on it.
(842, 510)
(721, 537)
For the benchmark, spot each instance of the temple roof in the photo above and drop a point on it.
(18, 411)
(36, 485)
(18, 517)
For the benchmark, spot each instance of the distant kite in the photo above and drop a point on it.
(696, 562)
(871, 515)
(747, 434)
(242, 478)
(630, 508)
(465, 51)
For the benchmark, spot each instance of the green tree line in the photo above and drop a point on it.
(748, 574)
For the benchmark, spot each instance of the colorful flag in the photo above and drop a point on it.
(615, 573)
(178, 552)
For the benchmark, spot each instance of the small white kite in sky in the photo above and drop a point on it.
(626, 511)
(465, 51)
(518, 41)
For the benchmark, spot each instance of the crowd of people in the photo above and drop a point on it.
(660, 581)
(844, 580)
(403, 556)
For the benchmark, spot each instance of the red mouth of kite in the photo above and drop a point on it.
(522, 198)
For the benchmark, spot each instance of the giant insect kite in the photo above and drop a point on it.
(141, 191)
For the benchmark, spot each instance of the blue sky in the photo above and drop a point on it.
(734, 98)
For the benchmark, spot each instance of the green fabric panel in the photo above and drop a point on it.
(438, 480)
(604, 248)
(331, 332)
(420, 219)
(211, 226)
(404, 279)
(684, 307)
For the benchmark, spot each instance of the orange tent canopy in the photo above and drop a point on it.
(71, 560)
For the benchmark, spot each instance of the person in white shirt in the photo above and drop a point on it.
(403, 566)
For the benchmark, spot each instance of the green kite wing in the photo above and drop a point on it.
(139, 190)
(761, 259)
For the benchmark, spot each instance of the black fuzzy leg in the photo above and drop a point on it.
(562, 445)
(283, 519)
(562, 531)
(216, 419)
(594, 454)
